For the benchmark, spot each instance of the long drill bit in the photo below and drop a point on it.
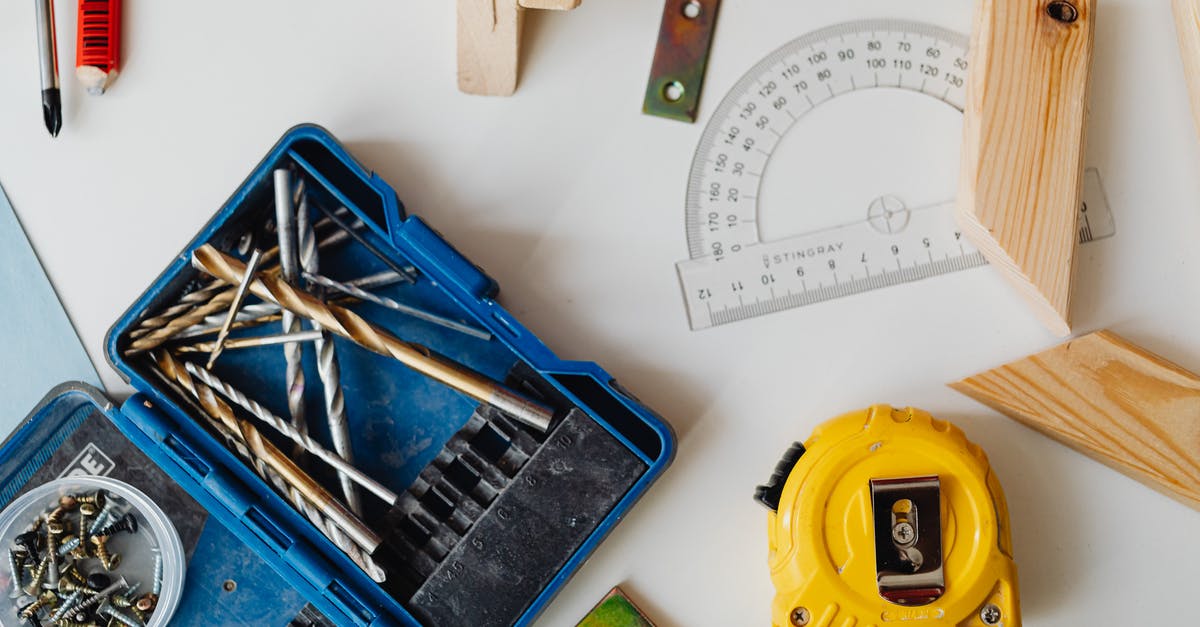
(155, 338)
(289, 262)
(223, 415)
(262, 313)
(202, 295)
(234, 306)
(347, 228)
(239, 398)
(353, 327)
(328, 368)
(188, 301)
(312, 277)
(326, 526)
(249, 342)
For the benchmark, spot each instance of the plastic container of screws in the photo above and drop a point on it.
(132, 550)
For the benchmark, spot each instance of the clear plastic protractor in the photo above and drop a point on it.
(828, 234)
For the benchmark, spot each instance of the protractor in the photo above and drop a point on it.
(830, 169)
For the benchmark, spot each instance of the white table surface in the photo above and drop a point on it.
(573, 200)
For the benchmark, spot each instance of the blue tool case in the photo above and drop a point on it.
(490, 516)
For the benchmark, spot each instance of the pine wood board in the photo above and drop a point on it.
(1111, 400)
(489, 42)
(1023, 143)
(489, 46)
(1187, 24)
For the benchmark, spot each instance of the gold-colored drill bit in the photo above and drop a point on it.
(222, 416)
(353, 327)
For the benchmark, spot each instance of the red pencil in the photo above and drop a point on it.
(98, 44)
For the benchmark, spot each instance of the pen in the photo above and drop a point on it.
(48, 59)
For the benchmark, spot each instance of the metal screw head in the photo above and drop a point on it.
(146, 602)
(903, 533)
(800, 616)
(55, 528)
(87, 509)
(990, 614)
(1064, 12)
(67, 501)
(27, 542)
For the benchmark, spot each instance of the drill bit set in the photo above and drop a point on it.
(337, 386)
(298, 313)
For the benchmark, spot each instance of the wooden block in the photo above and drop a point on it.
(1111, 400)
(1023, 143)
(489, 46)
(551, 5)
(1187, 23)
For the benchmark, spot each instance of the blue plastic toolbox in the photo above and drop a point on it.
(492, 516)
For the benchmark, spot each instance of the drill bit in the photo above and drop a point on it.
(239, 398)
(250, 342)
(186, 302)
(204, 294)
(222, 417)
(289, 262)
(335, 216)
(324, 525)
(155, 338)
(328, 368)
(383, 301)
(353, 327)
(262, 313)
(235, 305)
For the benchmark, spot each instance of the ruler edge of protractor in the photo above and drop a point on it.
(707, 137)
(738, 90)
(1093, 183)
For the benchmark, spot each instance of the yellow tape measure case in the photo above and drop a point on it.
(889, 516)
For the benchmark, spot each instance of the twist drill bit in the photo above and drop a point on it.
(336, 217)
(237, 397)
(350, 290)
(234, 306)
(200, 296)
(327, 527)
(186, 302)
(222, 417)
(155, 338)
(289, 262)
(262, 313)
(253, 315)
(251, 342)
(353, 327)
(328, 368)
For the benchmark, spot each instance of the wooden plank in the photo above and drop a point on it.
(1111, 400)
(551, 5)
(489, 46)
(1187, 24)
(1023, 144)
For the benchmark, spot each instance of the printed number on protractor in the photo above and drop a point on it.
(830, 169)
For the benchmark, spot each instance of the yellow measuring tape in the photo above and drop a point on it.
(889, 516)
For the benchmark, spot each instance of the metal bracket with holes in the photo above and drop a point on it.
(680, 59)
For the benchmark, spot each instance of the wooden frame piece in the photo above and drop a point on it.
(1111, 400)
(1187, 24)
(489, 42)
(1023, 144)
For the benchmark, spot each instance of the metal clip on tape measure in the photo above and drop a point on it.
(889, 516)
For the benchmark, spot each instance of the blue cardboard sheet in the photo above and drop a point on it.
(40, 347)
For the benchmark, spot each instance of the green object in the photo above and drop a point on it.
(615, 611)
